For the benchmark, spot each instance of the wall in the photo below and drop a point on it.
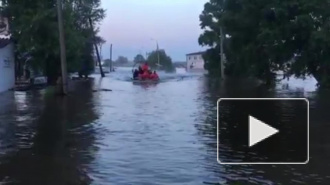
(197, 60)
(7, 68)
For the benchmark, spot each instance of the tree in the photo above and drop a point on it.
(211, 36)
(164, 60)
(265, 37)
(122, 60)
(34, 27)
(99, 41)
(139, 58)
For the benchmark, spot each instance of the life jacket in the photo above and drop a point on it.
(145, 67)
(145, 75)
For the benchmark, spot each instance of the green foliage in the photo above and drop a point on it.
(34, 26)
(267, 36)
(139, 58)
(164, 60)
(212, 61)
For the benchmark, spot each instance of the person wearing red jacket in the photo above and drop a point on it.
(145, 75)
(145, 67)
(154, 76)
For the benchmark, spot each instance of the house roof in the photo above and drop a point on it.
(5, 40)
(196, 53)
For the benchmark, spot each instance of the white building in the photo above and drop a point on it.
(7, 60)
(195, 62)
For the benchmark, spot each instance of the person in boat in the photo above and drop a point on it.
(149, 74)
(140, 76)
(140, 70)
(139, 73)
(154, 76)
(136, 74)
(145, 75)
(145, 66)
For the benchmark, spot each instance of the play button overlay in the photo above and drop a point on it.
(258, 131)
(263, 131)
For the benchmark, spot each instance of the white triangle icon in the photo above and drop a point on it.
(258, 131)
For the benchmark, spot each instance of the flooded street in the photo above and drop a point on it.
(144, 134)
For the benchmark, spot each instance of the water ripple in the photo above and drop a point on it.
(157, 135)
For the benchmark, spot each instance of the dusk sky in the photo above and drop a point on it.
(130, 24)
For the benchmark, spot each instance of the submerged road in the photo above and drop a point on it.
(138, 134)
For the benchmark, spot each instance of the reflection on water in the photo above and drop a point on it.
(313, 173)
(49, 140)
(142, 134)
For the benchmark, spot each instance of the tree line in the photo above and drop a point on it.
(34, 27)
(262, 37)
(165, 61)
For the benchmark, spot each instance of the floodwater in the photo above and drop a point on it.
(144, 134)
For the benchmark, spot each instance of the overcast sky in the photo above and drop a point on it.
(131, 24)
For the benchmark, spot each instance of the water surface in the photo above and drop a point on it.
(144, 134)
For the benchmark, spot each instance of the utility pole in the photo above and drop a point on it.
(101, 56)
(110, 57)
(157, 50)
(222, 61)
(158, 53)
(64, 89)
(96, 48)
(94, 39)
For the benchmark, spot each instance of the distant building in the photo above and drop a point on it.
(7, 60)
(195, 62)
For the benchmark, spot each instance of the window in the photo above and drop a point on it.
(195, 57)
(189, 58)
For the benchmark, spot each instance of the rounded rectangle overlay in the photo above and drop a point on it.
(243, 107)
